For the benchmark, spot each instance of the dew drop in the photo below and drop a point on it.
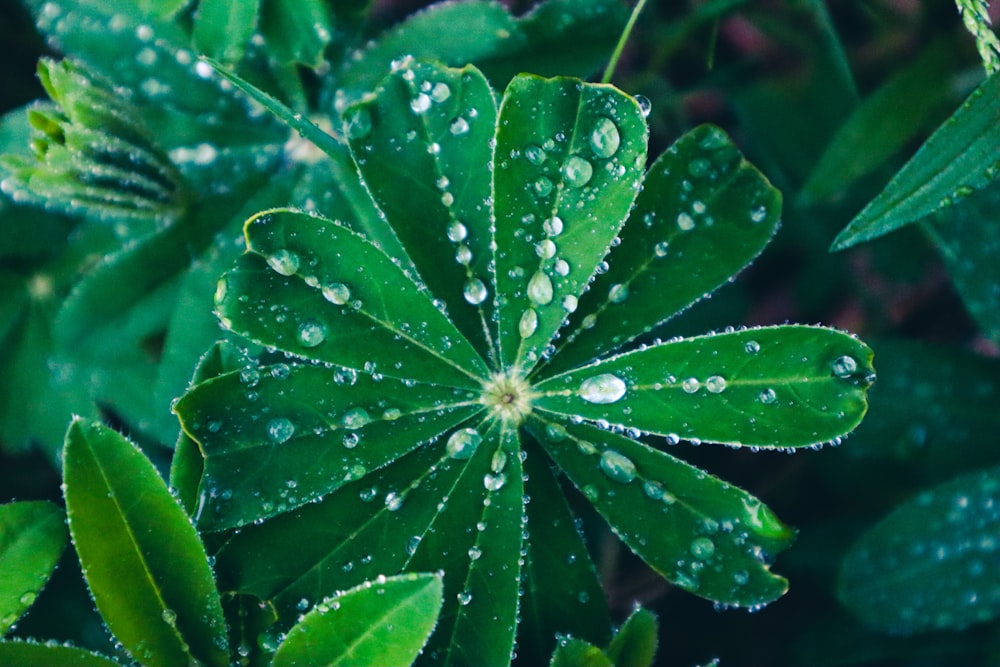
(699, 167)
(475, 553)
(543, 186)
(457, 232)
(463, 254)
(691, 385)
(459, 126)
(337, 293)
(603, 388)
(569, 303)
(702, 548)
(475, 291)
(577, 171)
(284, 262)
(715, 384)
(660, 249)
(546, 249)
(535, 154)
(412, 544)
(440, 92)
(280, 430)
(561, 267)
(767, 397)
(752, 347)
(618, 293)
(844, 367)
(393, 501)
(540, 288)
(462, 444)
(464, 598)
(356, 418)
(553, 226)
(617, 466)
(605, 139)
(420, 103)
(494, 482)
(529, 322)
(351, 440)
(311, 333)
(556, 432)
(685, 222)
(645, 106)
(758, 214)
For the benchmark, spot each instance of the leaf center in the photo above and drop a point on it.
(508, 396)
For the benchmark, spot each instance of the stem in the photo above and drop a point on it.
(610, 70)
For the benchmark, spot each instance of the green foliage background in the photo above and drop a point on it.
(829, 101)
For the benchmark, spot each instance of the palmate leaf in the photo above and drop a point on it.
(143, 560)
(32, 537)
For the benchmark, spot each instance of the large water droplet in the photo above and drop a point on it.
(691, 385)
(475, 291)
(546, 249)
(577, 171)
(715, 384)
(605, 139)
(534, 154)
(553, 226)
(337, 293)
(767, 396)
(356, 418)
(543, 186)
(457, 232)
(462, 443)
(494, 482)
(459, 126)
(529, 322)
(311, 333)
(617, 466)
(280, 429)
(844, 367)
(475, 553)
(440, 92)
(393, 501)
(618, 293)
(284, 262)
(685, 222)
(702, 548)
(420, 103)
(645, 106)
(603, 388)
(752, 347)
(464, 598)
(758, 214)
(540, 288)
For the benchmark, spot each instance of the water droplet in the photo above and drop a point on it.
(617, 466)
(459, 126)
(457, 232)
(543, 186)
(412, 544)
(605, 139)
(556, 432)
(284, 262)
(553, 226)
(475, 553)
(337, 293)
(464, 598)
(752, 347)
(440, 92)
(691, 385)
(351, 440)
(534, 154)
(715, 384)
(546, 249)
(27, 599)
(603, 388)
(475, 291)
(462, 444)
(758, 214)
(463, 254)
(169, 616)
(660, 249)
(844, 367)
(529, 322)
(447, 199)
(702, 548)
(653, 489)
(393, 501)
(685, 222)
(540, 289)
(561, 267)
(767, 396)
(645, 106)
(618, 293)
(494, 482)
(311, 333)
(280, 430)
(577, 171)
(569, 303)
(356, 418)
(699, 167)
(420, 103)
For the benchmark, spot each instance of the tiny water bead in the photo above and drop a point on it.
(577, 171)
(767, 396)
(336, 293)
(661, 249)
(844, 366)
(758, 214)
(702, 548)
(605, 138)
(311, 333)
(462, 444)
(280, 430)
(617, 466)
(284, 262)
(475, 291)
(540, 288)
(602, 389)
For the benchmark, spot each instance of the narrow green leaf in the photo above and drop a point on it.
(323, 428)
(19, 653)
(700, 533)
(573, 652)
(562, 593)
(143, 561)
(32, 537)
(570, 159)
(961, 157)
(968, 239)
(385, 622)
(635, 643)
(162, 8)
(750, 387)
(930, 563)
(297, 31)
(422, 142)
(704, 214)
(333, 289)
(222, 28)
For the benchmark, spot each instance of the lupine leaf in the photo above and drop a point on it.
(704, 213)
(747, 387)
(635, 643)
(222, 28)
(297, 31)
(32, 537)
(429, 172)
(930, 563)
(961, 157)
(143, 561)
(569, 165)
(20, 653)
